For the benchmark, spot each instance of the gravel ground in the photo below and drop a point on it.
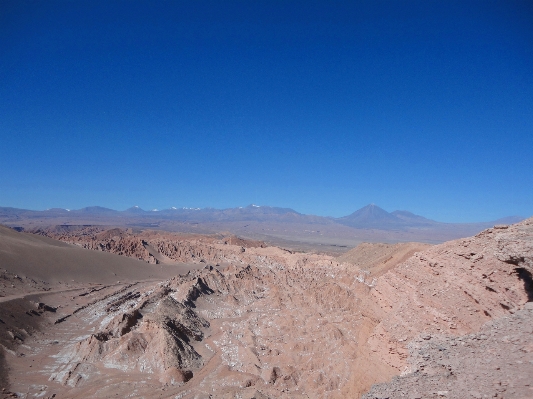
(497, 362)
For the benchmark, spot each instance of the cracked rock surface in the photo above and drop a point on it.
(496, 362)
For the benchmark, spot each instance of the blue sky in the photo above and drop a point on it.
(321, 106)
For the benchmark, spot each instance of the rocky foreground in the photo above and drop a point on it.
(262, 322)
(496, 362)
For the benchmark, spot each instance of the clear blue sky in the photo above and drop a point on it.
(321, 106)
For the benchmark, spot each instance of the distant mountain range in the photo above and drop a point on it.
(368, 217)
(280, 226)
(374, 217)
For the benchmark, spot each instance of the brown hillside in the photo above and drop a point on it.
(270, 323)
(378, 258)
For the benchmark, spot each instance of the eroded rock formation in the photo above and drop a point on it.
(287, 325)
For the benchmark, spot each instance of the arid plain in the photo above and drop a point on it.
(115, 310)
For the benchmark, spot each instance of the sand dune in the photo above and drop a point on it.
(51, 261)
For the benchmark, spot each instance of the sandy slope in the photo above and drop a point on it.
(36, 269)
(51, 261)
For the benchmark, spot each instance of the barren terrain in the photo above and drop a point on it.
(283, 227)
(246, 320)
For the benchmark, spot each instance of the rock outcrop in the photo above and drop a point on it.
(265, 322)
(496, 362)
(151, 246)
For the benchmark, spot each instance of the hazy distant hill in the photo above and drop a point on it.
(411, 218)
(370, 223)
(96, 210)
(135, 210)
(372, 216)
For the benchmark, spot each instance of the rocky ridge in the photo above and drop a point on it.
(151, 246)
(287, 325)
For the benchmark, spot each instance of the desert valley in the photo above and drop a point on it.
(266, 199)
(130, 309)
